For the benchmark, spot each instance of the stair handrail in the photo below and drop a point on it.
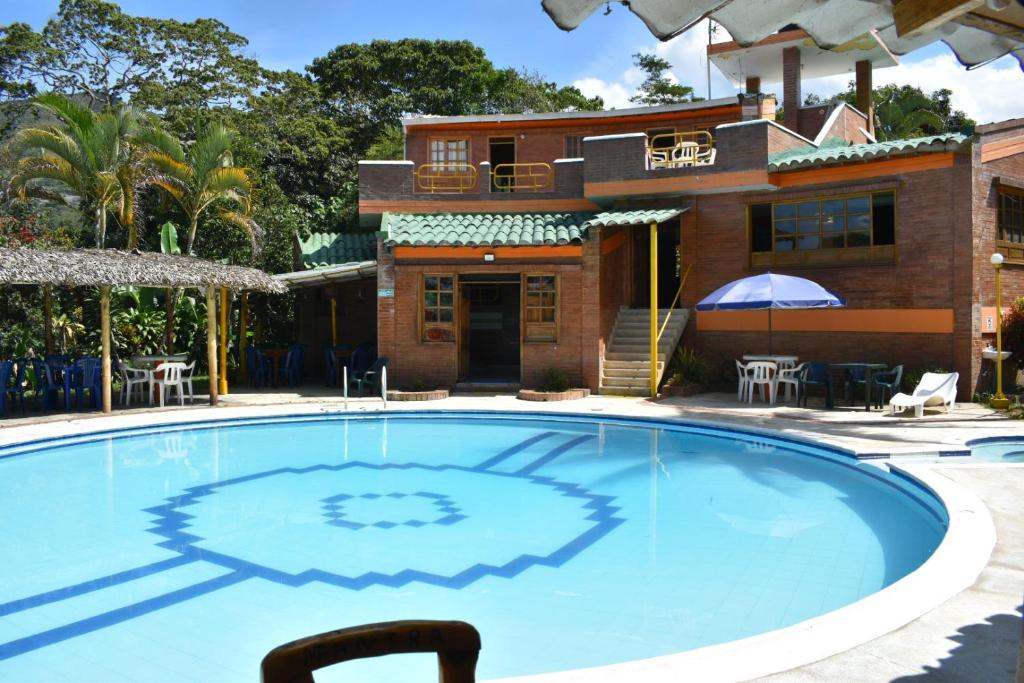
(674, 301)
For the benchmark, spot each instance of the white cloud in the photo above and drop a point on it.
(990, 93)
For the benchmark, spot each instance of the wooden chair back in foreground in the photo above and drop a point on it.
(456, 643)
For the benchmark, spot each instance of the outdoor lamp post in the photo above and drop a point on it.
(999, 401)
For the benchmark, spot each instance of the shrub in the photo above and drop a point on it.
(687, 366)
(418, 384)
(555, 380)
(1013, 328)
(913, 376)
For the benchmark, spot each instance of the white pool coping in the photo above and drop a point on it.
(954, 566)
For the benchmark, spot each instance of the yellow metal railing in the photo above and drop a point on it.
(446, 178)
(676, 150)
(532, 177)
(674, 302)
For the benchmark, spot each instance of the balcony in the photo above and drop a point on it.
(465, 178)
(681, 150)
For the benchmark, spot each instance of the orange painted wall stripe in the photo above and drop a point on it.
(531, 205)
(612, 243)
(870, 169)
(458, 253)
(898, 320)
(710, 181)
(1001, 148)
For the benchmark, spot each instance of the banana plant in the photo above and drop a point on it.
(169, 245)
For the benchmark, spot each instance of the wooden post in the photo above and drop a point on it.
(105, 344)
(48, 316)
(243, 338)
(334, 319)
(211, 340)
(222, 388)
(654, 309)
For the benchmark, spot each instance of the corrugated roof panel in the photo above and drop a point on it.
(609, 219)
(831, 153)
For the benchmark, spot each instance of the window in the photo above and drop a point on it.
(449, 151)
(573, 146)
(1011, 217)
(438, 307)
(541, 308)
(785, 230)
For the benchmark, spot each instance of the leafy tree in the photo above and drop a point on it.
(907, 112)
(92, 156)
(658, 88)
(516, 91)
(93, 50)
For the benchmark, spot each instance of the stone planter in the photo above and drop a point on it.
(428, 395)
(537, 395)
(682, 390)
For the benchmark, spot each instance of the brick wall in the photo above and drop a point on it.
(437, 362)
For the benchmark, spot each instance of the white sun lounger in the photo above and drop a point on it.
(934, 389)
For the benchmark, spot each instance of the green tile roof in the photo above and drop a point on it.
(484, 229)
(839, 151)
(608, 219)
(322, 249)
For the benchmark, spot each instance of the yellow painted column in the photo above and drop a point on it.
(243, 339)
(222, 388)
(211, 340)
(105, 344)
(654, 309)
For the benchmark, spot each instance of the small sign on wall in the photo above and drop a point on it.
(385, 293)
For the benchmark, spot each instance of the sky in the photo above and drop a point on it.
(596, 57)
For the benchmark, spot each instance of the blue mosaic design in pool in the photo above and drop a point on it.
(334, 507)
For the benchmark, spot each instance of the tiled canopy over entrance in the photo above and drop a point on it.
(509, 229)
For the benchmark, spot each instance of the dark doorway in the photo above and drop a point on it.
(502, 156)
(489, 334)
(668, 264)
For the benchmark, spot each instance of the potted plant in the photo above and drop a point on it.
(417, 390)
(687, 373)
(555, 386)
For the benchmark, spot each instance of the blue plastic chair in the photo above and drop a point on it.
(816, 374)
(330, 366)
(45, 386)
(292, 371)
(361, 359)
(17, 391)
(6, 369)
(89, 378)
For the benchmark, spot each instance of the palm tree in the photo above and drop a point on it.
(197, 178)
(200, 176)
(93, 156)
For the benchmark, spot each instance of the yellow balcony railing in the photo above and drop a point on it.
(532, 177)
(446, 178)
(679, 150)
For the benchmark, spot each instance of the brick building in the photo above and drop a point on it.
(512, 244)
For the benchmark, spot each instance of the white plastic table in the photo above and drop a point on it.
(781, 361)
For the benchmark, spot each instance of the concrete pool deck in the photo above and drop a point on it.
(973, 636)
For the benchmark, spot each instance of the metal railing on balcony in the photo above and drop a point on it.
(531, 177)
(446, 178)
(681, 150)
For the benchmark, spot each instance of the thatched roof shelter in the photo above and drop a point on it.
(109, 267)
(106, 268)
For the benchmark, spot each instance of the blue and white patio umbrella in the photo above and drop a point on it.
(769, 291)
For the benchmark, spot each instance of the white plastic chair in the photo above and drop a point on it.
(761, 374)
(132, 378)
(186, 379)
(741, 374)
(171, 378)
(934, 389)
(790, 376)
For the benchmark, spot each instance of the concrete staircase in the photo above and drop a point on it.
(626, 370)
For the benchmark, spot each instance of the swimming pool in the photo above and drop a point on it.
(998, 449)
(568, 542)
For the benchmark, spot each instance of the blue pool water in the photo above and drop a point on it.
(998, 450)
(187, 555)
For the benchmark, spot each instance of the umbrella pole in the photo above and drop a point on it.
(769, 331)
